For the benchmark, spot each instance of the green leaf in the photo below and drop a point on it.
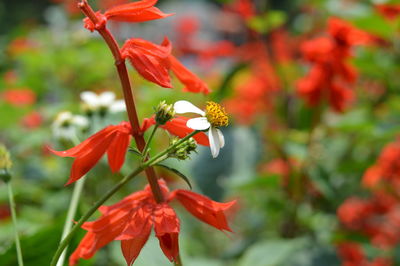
(177, 173)
(135, 151)
(267, 22)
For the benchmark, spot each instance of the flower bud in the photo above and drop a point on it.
(182, 151)
(5, 164)
(164, 113)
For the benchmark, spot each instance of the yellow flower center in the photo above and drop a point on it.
(216, 115)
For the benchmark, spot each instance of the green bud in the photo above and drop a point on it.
(164, 113)
(183, 151)
(5, 164)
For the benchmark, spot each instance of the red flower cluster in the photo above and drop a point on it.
(377, 217)
(113, 140)
(330, 73)
(132, 219)
(353, 255)
(177, 127)
(152, 61)
(386, 171)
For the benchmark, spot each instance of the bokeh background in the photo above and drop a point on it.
(312, 157)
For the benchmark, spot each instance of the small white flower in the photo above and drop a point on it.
(213, 117)
(66, 125)
(103, 101)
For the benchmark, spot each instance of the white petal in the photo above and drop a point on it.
(198, 123)
(106, 98)
(80, 121)
(182, 107)
(118, 106)
(221, 138)
(214, 142)
(90, 98)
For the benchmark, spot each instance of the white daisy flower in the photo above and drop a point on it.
(213, 117)
(66, 125)
(102, 102)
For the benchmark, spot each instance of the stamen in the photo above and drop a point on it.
(216, 115)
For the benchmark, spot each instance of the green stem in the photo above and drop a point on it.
(178, 261)
(14, 219)
(126, 179)
(146, 147)
(71, 214)
(73, 205)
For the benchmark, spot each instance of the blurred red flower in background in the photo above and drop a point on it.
(32, 120)
(19, 97)
(132, 219)
(389, 11)
(331, 75)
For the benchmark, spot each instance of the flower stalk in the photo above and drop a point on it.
(127, 91)
(14, 219)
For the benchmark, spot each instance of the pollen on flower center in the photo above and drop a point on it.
(216, 115)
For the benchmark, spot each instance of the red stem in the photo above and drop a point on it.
(100, 26)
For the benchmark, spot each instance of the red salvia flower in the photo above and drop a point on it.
(177, 127)
(113, 140)
(330, 74)
(153, 62)
(149, 59)
(139, 11)
(132, 219)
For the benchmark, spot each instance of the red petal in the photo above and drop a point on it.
(151, 13)
(84, 163)
(117, 151)
(140, 222)
(131, 7)
(190, 80)
(166, 226)
(132, 247)
(177, 127)
(203, 208)
(132, 199)
(84, 249)
(151, 69)
(104, 230)
(86, 145)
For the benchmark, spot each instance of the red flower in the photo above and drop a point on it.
(32, 120)
(177, 127)
(346, 34)
(351, 254)
(19, 97)
(387, 168)
(330, 74)
(132, 219)
(153, 62)
(389, 11)
(132, 12)
(149, 59)
(113, 139)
